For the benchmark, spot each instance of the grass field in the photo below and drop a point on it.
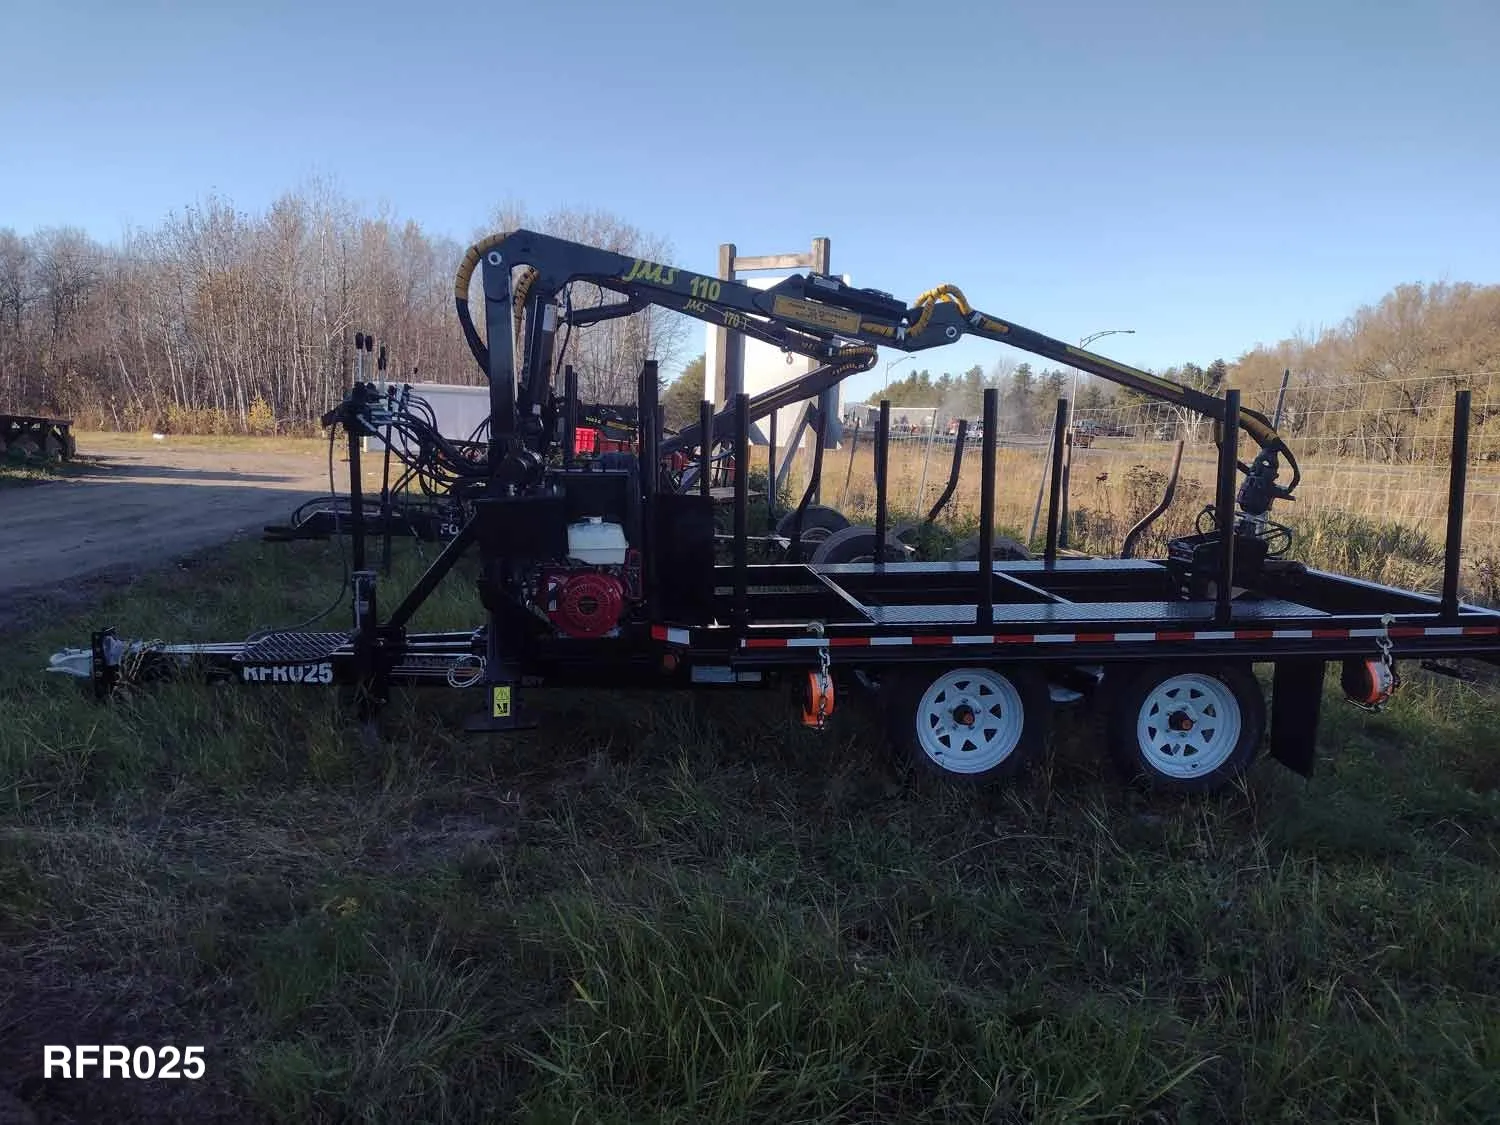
(690, 910)
(18, 474)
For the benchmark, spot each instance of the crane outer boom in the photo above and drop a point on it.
(818, 317)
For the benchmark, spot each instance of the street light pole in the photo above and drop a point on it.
(1041, 487)
(1083, 343)
(890, 363)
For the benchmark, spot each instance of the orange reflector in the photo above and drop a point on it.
(818, 703)
(1367, 683)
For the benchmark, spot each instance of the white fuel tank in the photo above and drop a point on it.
(597, 543)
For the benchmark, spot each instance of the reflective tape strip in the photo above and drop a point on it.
(1159, 636)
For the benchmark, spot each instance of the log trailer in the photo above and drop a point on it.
(34, 437)
(609, 572)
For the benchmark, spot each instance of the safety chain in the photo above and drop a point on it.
(824, 677)
(823, 686)
(1388, 667)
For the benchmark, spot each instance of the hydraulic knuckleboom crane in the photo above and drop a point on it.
(838, 325)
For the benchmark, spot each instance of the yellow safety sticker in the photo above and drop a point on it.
(837, 320)
(500, 702)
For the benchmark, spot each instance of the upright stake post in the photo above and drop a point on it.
(705, 448)
(1458, 475)
(1041, 487)
(1229, 441)
(741, 510)
(926, 460)
(849, 470)
(1054, 500)
(570, 415)
(986, 572)
(771, 471)
(882, 461)
(649, 422)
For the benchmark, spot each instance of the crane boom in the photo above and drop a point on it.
(821, 317)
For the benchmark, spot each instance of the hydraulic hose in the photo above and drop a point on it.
(461, 280)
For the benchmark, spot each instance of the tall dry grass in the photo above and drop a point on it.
(1372, 520)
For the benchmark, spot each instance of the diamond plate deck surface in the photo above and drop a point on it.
(293, 648)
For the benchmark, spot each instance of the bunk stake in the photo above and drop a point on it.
(953, 473)
(1229, 436)
(649, 415)
(986, 572)
(849, 470)
(1458, 474)
(741, 510)
(771, 472)
(1054, 499)
(882, 465)
(705, 448)
(570, 415)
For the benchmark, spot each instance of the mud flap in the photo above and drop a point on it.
(1296, 704)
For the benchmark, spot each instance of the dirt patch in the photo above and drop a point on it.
(140, 507)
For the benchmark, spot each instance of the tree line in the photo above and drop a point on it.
(222, 321)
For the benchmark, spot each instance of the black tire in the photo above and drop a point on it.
(818, 523)
(968, 752)
(25, 448)
(855, 544)
(1005, 549)
(1225, 712)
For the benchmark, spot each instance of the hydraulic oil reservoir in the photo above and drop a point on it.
(597, 543)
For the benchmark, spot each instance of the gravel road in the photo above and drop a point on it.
(142, 504)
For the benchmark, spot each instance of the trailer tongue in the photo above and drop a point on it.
(607, 571)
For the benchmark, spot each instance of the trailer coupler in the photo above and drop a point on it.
(99, 663)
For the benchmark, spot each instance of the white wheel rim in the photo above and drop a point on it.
(970, 720)
(1188, 725)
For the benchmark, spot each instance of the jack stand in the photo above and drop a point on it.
(503, 710)
(505, 713)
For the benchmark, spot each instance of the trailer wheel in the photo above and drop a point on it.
(1187, 728)
(855, 544)
(818, 523)
(974, 725)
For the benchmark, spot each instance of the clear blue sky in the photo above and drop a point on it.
(1210, 175)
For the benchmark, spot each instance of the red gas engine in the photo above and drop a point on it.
(588, 595)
